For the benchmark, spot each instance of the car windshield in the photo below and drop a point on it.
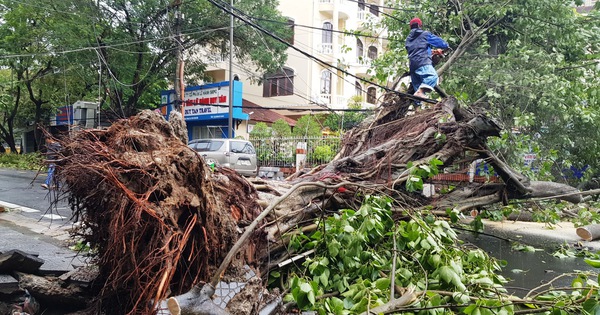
(208, 145)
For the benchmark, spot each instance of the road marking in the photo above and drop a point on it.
(12, 206)
(53, 216)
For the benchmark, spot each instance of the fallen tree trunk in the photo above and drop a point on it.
(164, 224)
(589, 232)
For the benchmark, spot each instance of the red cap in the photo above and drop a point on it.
(416, 20)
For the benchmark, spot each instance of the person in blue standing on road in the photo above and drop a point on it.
(418, 44)
(52, 149)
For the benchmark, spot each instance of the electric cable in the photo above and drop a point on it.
(279, 108)
(320, 28)
(316, 59)
(363, 90)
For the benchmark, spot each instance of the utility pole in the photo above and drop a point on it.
(230, 123)
(179, 84)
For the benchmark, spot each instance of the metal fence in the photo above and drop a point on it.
(281, 152)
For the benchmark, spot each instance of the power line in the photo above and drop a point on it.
(321, 29)
(337, 75)
(376, 7)
(316, 59)
(110, 46)
(281, 108)
(383, 7)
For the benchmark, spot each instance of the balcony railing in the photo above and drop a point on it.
(337, 101)
(325, 48)
(366, 15)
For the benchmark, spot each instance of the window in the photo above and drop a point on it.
(207, 145)
(358, 88)
(374, 9)
(371, 95)
(327, 34)
(361, 5)
(291, 25)
(372, 52)
(326, 82)
(279, 84)
(360, 49)
(207, 132)
(241, 147)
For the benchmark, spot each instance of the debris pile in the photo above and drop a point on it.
(163, 224)
(26, 288)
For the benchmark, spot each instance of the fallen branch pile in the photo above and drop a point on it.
(163, 223)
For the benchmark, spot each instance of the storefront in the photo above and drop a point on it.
(206, 109)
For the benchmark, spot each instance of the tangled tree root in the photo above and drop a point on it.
(159, 219)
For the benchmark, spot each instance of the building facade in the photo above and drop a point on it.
(320, 30)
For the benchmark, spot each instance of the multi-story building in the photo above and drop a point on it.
(321, 30)
(586, 7)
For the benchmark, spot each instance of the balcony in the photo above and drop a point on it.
(336, 101)
(366, 16)
(341, 6)
(325, 48)
(327, 6)
(361, 65)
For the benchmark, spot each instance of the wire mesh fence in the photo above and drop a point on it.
(282, 152)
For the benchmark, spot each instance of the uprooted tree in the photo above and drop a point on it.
(163, 223)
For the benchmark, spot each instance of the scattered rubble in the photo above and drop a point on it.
(26, 287)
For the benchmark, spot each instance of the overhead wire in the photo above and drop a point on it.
(316, 59)
(107, 46)
(371, 5)
(319, 28)
(323, 29)
(279, 108)
(282, 70)
(381, 6)
(307, 47)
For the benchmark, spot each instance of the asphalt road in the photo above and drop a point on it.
(20, 191)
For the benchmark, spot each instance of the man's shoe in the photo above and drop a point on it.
(44, 186)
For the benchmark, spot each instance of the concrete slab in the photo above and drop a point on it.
(8, 284)
(57, 258)
(18, 260)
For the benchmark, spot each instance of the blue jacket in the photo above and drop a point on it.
(418, 45)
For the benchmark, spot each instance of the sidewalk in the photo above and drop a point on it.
(46, 239)
(539, 235)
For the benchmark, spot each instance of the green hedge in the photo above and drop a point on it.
(29, 161)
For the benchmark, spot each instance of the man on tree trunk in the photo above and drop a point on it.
(418, 44)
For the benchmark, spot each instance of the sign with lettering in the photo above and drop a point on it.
(207, 102)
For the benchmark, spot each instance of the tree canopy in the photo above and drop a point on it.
(120, 53)
(531, 63)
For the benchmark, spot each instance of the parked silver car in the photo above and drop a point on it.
(236, 154)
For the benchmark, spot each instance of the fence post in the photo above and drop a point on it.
(300, 155)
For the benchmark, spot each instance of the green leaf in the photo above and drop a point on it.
(311, 297)
(324, 277)
(382, 283)
(446, 273)
(592, 262)
(305, 287)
